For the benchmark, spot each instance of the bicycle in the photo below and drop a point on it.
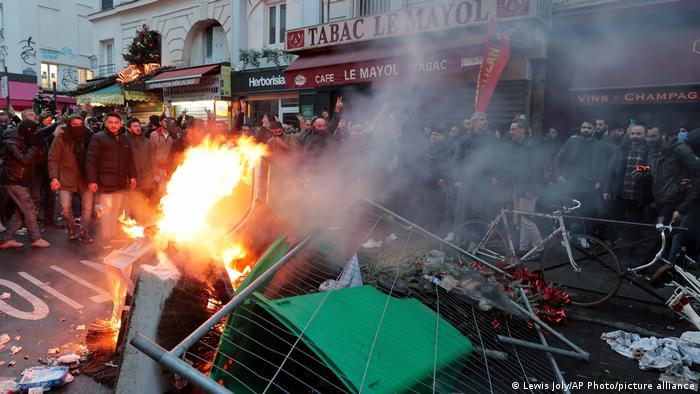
(569, 261)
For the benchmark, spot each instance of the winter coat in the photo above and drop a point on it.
(162, 141)
(63, 164)
(615, 175)
(565, 163)
(146, 170)
(109, 162)
(526, 172)
(18, 160)
(669, 167)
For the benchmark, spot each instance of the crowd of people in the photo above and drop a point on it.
(438, 175)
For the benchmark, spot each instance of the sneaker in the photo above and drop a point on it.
(85, 237)
(2, 228)
(583, 242)
(72, 233)
(22, 231)
(11, 244)
(40, 243)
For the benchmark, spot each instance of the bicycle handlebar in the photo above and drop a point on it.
(662, 229)
(565, 209)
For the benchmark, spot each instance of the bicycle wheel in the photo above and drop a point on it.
(601, 272)
(474, 231)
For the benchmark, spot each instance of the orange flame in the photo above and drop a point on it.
(130, 227)
(188, 211)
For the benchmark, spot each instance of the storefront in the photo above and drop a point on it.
(112, 97)
(425, 57)
(22, 90)
(200, 90)
(266, 93)
(646, 71)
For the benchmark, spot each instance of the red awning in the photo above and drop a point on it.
(641, 59)
(381, 65)
(22, 94)
(181, 77)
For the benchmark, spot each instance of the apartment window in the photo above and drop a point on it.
(49, 75)
(84, 75)
(107, 4)
(276, 23)
(209, 41)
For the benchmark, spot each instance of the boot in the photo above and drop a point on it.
(85, 237)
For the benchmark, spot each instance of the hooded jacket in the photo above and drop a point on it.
(64, 163)
(18, 157)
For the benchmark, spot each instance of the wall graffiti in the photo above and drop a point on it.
(28, 51)
(69, 79)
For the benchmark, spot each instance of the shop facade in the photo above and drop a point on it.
(266, 93)
(111, 97)
(201, 90)
(646, 72)
(428, 56)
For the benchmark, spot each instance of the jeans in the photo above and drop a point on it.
(529, 233)
(25, 211)
(112, 208)
(86, 199)
(680, 238)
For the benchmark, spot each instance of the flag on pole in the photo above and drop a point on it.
(496, 55)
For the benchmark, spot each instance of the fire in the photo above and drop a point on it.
(189, 214)
(130, 227)
(231, 257)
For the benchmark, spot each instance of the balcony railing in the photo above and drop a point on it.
(105, 70)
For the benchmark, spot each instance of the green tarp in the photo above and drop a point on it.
(344, 328)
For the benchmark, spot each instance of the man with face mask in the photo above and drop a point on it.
(110, 171)
(67, 174)
(17, 175)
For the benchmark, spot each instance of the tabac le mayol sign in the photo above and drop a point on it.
(436, 15)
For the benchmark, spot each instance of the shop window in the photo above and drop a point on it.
(49, 75)
(276, 23)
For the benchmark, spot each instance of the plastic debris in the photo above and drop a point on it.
(68, 359)
(15, 349)
(4, 338)
(371, 244)
(350, 277)
(62, 318)
(53, 351)
(80, 327)
(45, 377)
(8, 385)
(17, 338)
(111, 364)
(74, 348)
(12, 363)
(5, 296)
(391, 237)
(69, 378)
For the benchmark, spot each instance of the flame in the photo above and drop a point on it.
(231, 257)
(130, 227)
(209, 172)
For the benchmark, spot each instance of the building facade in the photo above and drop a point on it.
(44, 45)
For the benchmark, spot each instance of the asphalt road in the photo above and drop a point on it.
(53, 291)
(52, 294)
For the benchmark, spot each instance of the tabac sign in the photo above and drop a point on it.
(435, 15)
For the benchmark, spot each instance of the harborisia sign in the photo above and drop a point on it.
(433, 16)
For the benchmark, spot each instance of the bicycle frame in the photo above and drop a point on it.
(503, 217)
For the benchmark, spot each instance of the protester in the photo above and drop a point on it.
(162, 140)
(66, 165)
(17, 176)
(110, 172)
(142, 200)
(526, 181)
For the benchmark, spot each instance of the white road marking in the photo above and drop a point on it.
(97, 266)
(103, 294)
(40, 309)
(51, 290)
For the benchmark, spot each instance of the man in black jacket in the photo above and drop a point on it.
(17, 175)
(110, 170)
(688, 212)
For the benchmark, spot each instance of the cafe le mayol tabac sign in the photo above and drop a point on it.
(433, 16)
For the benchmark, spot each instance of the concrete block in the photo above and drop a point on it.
(138, 372)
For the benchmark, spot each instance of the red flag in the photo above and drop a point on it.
(496, 55)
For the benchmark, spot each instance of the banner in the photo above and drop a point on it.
(496, 55)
